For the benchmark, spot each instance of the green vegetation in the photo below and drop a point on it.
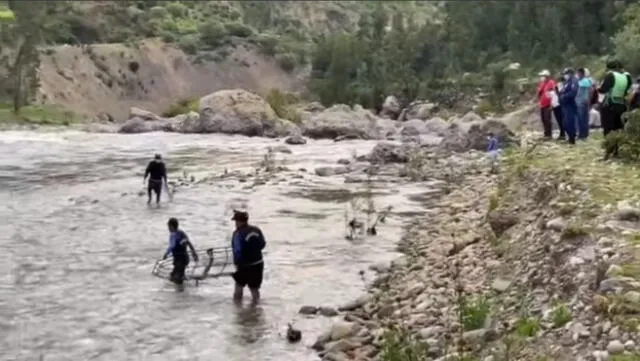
(475, 312)
(400, 345)
(283, 104)
(37, 114)
(182, 107)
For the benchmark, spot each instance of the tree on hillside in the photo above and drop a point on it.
(21, 39)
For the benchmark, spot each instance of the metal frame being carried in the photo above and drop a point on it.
(216, 258)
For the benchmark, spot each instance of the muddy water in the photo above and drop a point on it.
(78, 244)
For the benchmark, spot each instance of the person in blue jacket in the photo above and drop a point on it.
(568, 103)
(583, 100)
(493, 150)
(247, 243)
(178, 244)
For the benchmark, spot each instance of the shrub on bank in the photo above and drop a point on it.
(184, 106)
(238, 29)
(283, 104)
(627, 140)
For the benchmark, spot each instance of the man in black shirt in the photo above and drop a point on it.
(157, 173)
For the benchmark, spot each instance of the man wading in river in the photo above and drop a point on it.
(247, 243)
(157, 173)
(178, 243)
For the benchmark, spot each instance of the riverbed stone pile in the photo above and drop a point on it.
(524, 265)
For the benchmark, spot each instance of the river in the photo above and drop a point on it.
(79, 243)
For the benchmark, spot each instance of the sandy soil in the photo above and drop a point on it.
(103, 78)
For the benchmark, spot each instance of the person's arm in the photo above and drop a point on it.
(262, 242)
(572, 90)
(172, 244)
(607, 84)
(629, 83)
(146, 173)
(194, 255)
(236, 247)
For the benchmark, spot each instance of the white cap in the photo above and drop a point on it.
(544, 73)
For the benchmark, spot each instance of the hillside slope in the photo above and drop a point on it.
(110, 78)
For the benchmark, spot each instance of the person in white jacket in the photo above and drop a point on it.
(557, 109)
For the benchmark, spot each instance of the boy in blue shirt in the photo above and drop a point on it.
(583, 99)
(178, 243)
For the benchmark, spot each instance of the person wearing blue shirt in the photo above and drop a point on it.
(247, 243)
(569, 106)
(583, 99)
(178, 243)
(493, 150)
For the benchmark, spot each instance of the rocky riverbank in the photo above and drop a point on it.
(538, 262)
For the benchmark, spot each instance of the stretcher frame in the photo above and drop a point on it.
(218, 258)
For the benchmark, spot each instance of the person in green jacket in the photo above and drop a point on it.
(615, 87)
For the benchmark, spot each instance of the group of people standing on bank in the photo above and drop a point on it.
(572, 97)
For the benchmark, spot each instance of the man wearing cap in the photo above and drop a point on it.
(157, 173)
(247, 243)
(546, 87)
(569, 106)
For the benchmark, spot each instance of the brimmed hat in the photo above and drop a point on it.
(545, 72)
(240, 215)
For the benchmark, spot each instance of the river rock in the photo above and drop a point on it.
(626, 212)
(329, 171)
(436, 126)
(463, 136)
(342, 329)
(343, 121)
(143, 114)
(308, 310)
(296, 139)
(615, 347)
(391, 108)
(357, 303)
(139, 125)
(237, 111)
(386, 152)
(327, 311)
(418, 109)
(280, 149)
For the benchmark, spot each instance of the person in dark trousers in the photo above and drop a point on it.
(545, 89)
(247, 243)
(634, 101)
(568, 103)
(615, 87)
(557, 109)
(157, 173)
(178, 243)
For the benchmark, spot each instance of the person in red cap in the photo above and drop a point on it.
(247, 243)
(545, 89)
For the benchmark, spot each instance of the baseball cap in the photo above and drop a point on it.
(240, 215)
(545, 72)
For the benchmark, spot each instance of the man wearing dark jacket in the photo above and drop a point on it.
(157, 173)
(178, 244)
(247, 243)
(569, 105)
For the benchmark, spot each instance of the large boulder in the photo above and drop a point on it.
(436, 126)
(462, 136)
(418, 109)
(143, 114)
(140, 125)
(345, 122)
(387, 152)
(390, 108)
(237, 111)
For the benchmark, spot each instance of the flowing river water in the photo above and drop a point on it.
(78, 244)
